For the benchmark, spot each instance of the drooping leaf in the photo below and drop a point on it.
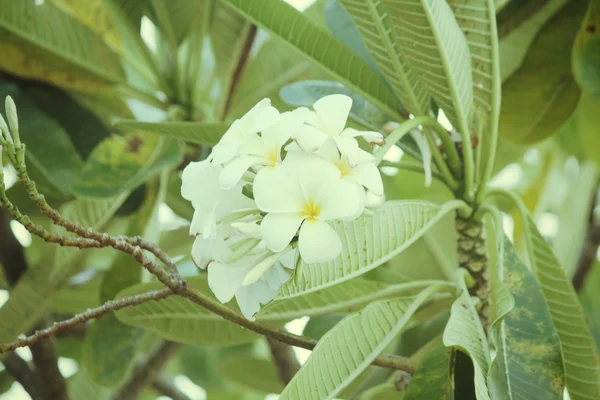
(432, 379)
(367, 243)
(122, 163)
(374, 22)
(585, 132)
(528, 361)
(263, 378)
(181, 14)
(586, 51)
(306, 93)
(205, 133)
(285, 23)
(579, 352)
(350, 346)
(539, 98)
(465, 333)
(341, 26)
(46, 27)
(431, 42)
(477, 19)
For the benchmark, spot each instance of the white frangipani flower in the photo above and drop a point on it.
(421, 141)
(261, 116)
(253, 280)
(263, 150)
(328, 122)
(305, 195)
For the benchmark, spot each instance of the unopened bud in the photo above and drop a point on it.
(4, 131)
(13, 120)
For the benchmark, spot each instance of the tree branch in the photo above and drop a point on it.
(45, 359)
(82, 318)
(587, 257)
(147, 373)
(18, 369)
(284, 359)
(165, 386)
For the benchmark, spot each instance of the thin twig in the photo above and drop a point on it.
(82, 318)
(45, 359)
(146, 374)
(284, 359)
(20, 371)
(587, 256)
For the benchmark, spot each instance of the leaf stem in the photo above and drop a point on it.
(407, 166)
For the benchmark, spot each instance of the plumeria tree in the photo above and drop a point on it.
(362, 200)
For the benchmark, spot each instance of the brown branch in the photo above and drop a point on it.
(20, 371)
(82, 318)
(45, 359)
(587, 256)
(147, 373)
(284, 359)
(12, 256)
(166, 387)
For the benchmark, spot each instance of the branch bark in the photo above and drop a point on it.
(285, 360)
(20, 371)
(165, 386)
(146, 374)
(587, 257)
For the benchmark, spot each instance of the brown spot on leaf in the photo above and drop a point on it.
(133, 146)
(590, 28)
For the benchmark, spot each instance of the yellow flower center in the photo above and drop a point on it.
(344, 167)
(310, 210)
(273, 157)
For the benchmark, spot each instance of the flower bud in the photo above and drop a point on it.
(4, 131)
(13, 120)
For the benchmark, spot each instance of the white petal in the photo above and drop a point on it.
(248, 229)
(203, 222)
(368, 175)
(233, 171)
(225, 279)
(348, 146)
(260, 117)
(340, 200)
(198, 180)
(310, 138)
(315, 175)
(224, 151)
(276, 276)
(287, 126)
(329, 152)
(250, 297)
(421, 141)
(276, 191)
(369, 136)
(209, 249)
(332, 112)
(259, 269)
(278, 229)
(318, 242)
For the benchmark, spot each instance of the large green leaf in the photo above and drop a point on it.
(296, 30)
(82, 387)
(351, 346)
(179, 320)
(539, 98)
(263, 378)
(432, 379)
(181, 15)
(49, 149)
(528, 362)
(580, 355)
(465, 333)
(367, 243)
(431, 42)
(374, 23)
(205, 133)
(52, 30)
(122, 163)
(590, 300)
(477, 19)
(586, 120)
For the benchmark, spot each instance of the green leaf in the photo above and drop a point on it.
(528, 362)
(181, 14)
(110, 346)
(586, 51)
(316, 327)
(306, 93)
(431, 42)
(297, 31)
(586, 119)
(580, 355)
(55, 32)
(82, 387)
(341, 26)
(345, 297)
(49, 149)
(75, 299)
(590, 300)
(477, 19)
(385, 391)
(374, 23)
(122, 163)
(544, 82)
(367, 243)
(205, 133)
(263, 378)
(432, 380)
(351, 346)
(179, 320)
(465, 333)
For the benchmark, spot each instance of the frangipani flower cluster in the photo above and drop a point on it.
(268, 193)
